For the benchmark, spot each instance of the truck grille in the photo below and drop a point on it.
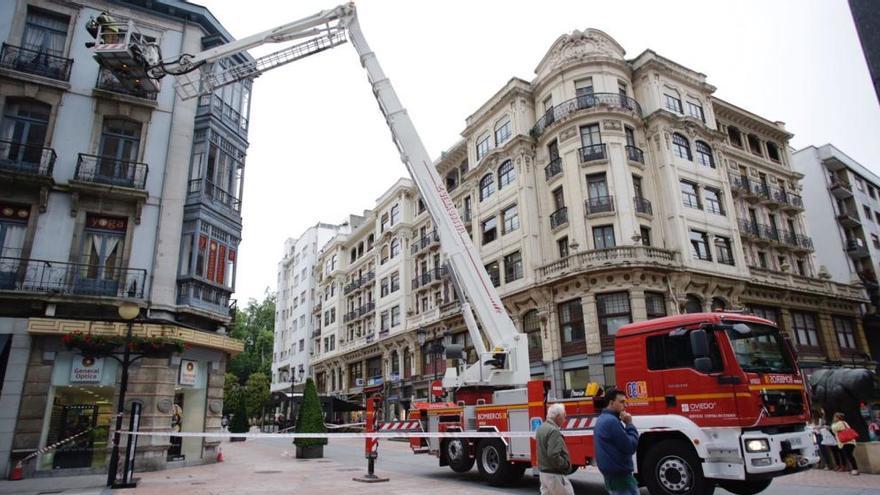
(783, 402)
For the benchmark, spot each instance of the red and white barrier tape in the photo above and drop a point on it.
(55, 445)
(375, 435)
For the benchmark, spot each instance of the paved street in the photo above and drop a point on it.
(268, 467)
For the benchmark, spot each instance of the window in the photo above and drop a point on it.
(383, 287)
(395, 316)
(531, 326)
(846, 336)
(801, 267)
(562, 246)
(395, 214)
(875, 240)
(45, 32)
(723, 250)
(772, 151)
(119, 146)
(385, 223)
(571, 321)
(395, 247)
(645, 235)
(513, 267)
(502, 131)
(872, 193)
(13, 226)
(637, 187)
(302, 345)
(490, 230)
(395, 282)
(384, 321)
(712, 200)
(451, 184)
(704, 155)
(583, 89)
(614, 311)
(672, 352)
(509, 219)
(766, 312)
(804, 328)
(591, 136)
(655, 304)
(681, 147)
(603, 237)
(689, 195)
(506, 174)
(26, 123)
(597, 190)
(558, 198)
(867, 211)
(735, 136)
(762, 259)
(487, 186)
(693, 304)
(494, 273)
(482, 146)
(673, 102)
(696, 110)
(755, 145)
(700, 245)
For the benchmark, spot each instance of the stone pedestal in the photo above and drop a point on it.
(868, 457)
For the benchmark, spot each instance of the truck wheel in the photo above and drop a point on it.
(745, 487)
(493, 464)
(672, 468)
(457, 455)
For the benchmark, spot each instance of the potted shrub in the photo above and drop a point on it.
(310, 420)
(239, 423)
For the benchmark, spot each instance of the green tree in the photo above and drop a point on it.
(310, 418)
(254, 326)
(256, 394)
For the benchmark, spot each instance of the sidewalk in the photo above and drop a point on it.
(61, 485)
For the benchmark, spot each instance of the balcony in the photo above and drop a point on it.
(760, 190)
(26, 159)
(203, 295)
(316, 333)
(739, 184)
(790, 201)
(749, 229)
(774, 197)
(424, 242)
(111, 171)
(108, 82)
(592, 153)
(466, 216)
(430, 277)
(605, 258)
(366, 309)
(35, 62)
(214, 105)
(840, 189)
(603, 101)
(635, 154)
(55, 277)
(643, 206)
(206, 190)
(359, 282)
(770, 233)
(599, 204)
(849, 219)
(798, 242)
(856, 249)
(559, 217)
(553, 169)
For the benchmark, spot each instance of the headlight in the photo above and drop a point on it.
(760, 445)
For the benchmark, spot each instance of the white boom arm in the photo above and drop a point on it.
(508, 350)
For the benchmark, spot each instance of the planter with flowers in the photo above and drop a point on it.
(89, 345)
(156, 347)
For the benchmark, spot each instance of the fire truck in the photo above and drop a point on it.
(717, 397)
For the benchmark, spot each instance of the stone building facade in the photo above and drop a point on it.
(112, 194)
(606, 190)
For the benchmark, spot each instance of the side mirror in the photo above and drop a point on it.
(454, 351)
(703, 365)
(700, 343)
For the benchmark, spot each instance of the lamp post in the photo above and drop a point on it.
(127, 311)
(436, 348)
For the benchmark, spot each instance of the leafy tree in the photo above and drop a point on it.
(310, 418)
(255, 327)
(256, 394)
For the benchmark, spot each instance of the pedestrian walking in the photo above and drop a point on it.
(828, 447)
(553, 460)
(845, 443)
(615, 441)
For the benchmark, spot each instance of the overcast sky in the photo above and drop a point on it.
(319, 148)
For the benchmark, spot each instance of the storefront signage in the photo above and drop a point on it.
(86, 369)
(189, 370)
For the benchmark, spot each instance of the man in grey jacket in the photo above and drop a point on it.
(553, 460)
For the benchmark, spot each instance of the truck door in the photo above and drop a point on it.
(687, 391)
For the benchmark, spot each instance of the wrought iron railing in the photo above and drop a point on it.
(595, 100)
(26, 158)
(738, 182)
(592, 153)
(749, 228)
(559, 217)
(206, 188)
(554, 168)
(424, 242)
(57, 277)
(36, 62)
(224, 111)
(599, 204)
(111, 171)
(432, 275)
(107, 81)
(635, 154)
(643, 205)
(197, 293)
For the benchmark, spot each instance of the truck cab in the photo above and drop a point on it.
(718, 399)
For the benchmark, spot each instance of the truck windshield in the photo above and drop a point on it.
(761, 350)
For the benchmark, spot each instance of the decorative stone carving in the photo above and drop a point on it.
(612, 125)
(215, 406)
(582, 44)
(567, 134)
(164, 405)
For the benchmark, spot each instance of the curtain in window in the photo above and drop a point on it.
(102, 254)
(11, 239)
(45, 33)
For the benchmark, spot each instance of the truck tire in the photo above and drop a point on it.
(745, 487)
(457, 452)
(672, 468)
(494, 466)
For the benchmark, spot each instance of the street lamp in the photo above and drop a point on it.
(128, 311)
(436, 348)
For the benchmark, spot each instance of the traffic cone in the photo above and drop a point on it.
(219, 453)
(16, 475)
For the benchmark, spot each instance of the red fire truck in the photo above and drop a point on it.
(717, 397)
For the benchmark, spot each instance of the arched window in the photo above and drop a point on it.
(502, 131)
(704, 155)
(718, 304)
(506, 174)
(487, 186)
(531, 326)
(395, 247)
(693, 304)
(681, 147)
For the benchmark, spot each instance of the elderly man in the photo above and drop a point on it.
(553, 461)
